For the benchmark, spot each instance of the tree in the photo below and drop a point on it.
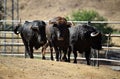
(90, 15)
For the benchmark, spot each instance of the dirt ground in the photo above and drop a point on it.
(20, 68)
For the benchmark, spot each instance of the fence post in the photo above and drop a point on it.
(5, 17)
(108, 43)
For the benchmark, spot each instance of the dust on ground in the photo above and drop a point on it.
(21, 68)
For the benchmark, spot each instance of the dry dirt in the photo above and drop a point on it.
(47, 9)
(20, 68)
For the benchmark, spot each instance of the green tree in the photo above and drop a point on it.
(90, 15)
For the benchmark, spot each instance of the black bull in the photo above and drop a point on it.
(79, 38)
(33, 35)
(82, 39)
(60, 36)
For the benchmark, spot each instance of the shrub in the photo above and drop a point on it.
(90, 15)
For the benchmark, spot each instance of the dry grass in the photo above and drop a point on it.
(46, 9)
(20, 68)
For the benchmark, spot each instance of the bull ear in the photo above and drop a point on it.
(52, 22)
(69, 24)
(73, 24)
(43, 23)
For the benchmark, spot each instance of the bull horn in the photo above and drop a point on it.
(93, 34)
(73, 23)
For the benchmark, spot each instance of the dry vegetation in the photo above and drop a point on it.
(20, 68)
(46, 9)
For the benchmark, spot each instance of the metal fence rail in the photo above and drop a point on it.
(109, 22)
(13, 43)
(21, 43)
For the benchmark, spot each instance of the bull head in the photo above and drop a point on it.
(69, 24)
(17, 27)
(36, 24)
(38, 27)
(96, 40)
(58, 21)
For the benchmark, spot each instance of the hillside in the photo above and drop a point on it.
(20, 68)
(46, 9)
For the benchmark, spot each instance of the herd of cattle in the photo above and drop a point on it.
(60, 35)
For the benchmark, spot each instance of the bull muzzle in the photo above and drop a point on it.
(93, 34)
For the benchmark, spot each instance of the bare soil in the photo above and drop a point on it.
(20, 68)
(47, 9)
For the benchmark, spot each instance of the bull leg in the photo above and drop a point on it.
(64, 57)
(69, 52)
(26, 47)
(75, 53)
(51, 50)
(57, 53)
(75, 56)
(43, 51)
(60, 51)
(26, 51)
(31, 51)
(87, 55)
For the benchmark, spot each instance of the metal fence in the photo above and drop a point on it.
(11, 44)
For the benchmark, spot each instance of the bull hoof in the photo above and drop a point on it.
(52, 58)
(31, 57)
(88, 63)
(68, 61)
(75, 62)
(43, 58)
(65, 59)
(57, 59)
